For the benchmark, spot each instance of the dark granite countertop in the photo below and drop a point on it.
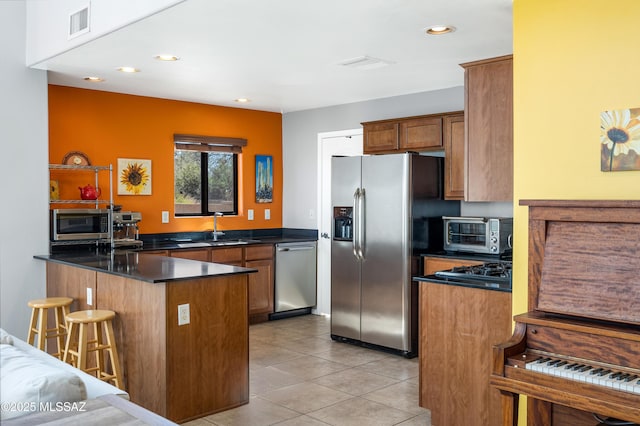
(148, 268)
(185, 240)
(222, 242)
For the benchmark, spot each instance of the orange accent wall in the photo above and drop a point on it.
(107, 126)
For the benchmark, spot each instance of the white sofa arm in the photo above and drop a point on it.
(31, 375)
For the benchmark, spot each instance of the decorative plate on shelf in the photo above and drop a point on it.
(76, 158)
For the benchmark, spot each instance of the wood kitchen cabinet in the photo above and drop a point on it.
(453, 139)
(458, 328)
(230, 256)
(261, 284)
(380, 137)
(488, 109)
(421, 133)
(203, 255)
(431, 265)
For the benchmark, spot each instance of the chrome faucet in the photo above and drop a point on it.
(215, 225)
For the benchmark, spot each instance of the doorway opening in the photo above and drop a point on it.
(345, 143)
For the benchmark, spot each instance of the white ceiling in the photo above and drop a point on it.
(284, 55)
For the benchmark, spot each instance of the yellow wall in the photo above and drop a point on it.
(107, 126)
(572, 60)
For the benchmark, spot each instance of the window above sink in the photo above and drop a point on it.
(206, 175)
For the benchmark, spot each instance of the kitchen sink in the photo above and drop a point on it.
(231, 242)
(212, 243)
(193, 244)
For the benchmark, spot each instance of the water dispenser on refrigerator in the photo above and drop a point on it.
(342, 223)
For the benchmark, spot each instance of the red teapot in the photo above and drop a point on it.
(89, 192)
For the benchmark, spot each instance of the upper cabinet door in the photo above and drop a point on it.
(489, 129)
(420, 134)
(380, 137)
(453, 138)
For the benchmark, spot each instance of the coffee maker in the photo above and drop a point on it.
(125, 229)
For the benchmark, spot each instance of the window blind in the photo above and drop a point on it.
(208, 143)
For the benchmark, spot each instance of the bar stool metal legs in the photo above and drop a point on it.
(39, 326)
(76, 355)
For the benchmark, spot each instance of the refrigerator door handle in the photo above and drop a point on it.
(361, 224)
(354, 240)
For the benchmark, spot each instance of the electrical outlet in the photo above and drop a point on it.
(250, 214)
(89, 296)
(165, 217)
(267, 214)
(184, 316)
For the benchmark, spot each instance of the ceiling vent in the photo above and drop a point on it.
(365, 63)
(79, 22)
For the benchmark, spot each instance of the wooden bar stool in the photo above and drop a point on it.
(76, 354)
(39, 322)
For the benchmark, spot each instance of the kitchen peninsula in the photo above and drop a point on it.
(181, 372)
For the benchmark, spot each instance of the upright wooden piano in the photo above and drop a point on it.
(576, 353)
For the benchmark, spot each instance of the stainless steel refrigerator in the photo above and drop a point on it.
(386, 208)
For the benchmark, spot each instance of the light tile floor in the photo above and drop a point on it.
(300, 377)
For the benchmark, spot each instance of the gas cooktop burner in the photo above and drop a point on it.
(493, 271)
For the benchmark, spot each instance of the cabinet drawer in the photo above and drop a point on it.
(421, 133)
(259, 252)
(224, 255)
(199, 254)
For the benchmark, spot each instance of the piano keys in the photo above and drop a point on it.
(587, 372)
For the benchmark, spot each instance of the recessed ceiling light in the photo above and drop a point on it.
(94, 79)
(166, 58)
(242, 100)
(128, 69)
(440, 29)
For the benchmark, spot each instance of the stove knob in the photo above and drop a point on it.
(494, 249)
(494, 240)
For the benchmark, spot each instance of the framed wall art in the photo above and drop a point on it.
(134, 177)
(264, 179)
(620, 140)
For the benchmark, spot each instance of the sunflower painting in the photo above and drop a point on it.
(134, 177)
(620, 140)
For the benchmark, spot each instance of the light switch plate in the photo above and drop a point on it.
(165, 217)
(267, 214)
(250, 214)
(89, 296)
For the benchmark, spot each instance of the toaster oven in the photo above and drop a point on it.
(478, 234)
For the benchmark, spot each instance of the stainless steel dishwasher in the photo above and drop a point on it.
(295, 284)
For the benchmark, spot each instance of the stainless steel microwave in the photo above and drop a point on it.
(478, 234)
(79, 224)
